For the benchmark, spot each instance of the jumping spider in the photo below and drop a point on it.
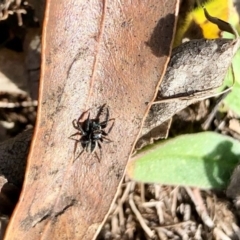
(92, 132)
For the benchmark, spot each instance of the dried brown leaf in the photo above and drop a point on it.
(94, 53)
(196, 69)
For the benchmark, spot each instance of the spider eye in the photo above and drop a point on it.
(96, 126)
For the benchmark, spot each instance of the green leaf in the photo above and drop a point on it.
(232, 101)
(204, 160)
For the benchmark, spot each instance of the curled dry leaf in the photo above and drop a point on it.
(93, 53)
(196, 69)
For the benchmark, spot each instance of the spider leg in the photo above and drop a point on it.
(86, 144)
(77, 125)
(110, 129)
(75, 134)
(93, 146)
(78, 155)
(81, 116)
(100, 111)
(107, 115)
(104, 123)
(87, 122)
(100, 149)
(103, 138)
(97, 157)
(75, 149)
(106, 140)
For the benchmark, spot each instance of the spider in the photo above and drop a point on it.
(92, 132)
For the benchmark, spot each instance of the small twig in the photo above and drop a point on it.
(220, 234)
(124, 196)
(161, 234)
(187, 212)
(150, 204)
(160, 212)
(198, 233)
(169, 233)
(128, 188)
(236, 230)
(121, 214)
(174, 201)
(157, 191)
(195, 96)
(182, 233)
(148, 231)
(226, 228)
(142, 192)
(208, 121)
(115, 225)
(19, 13)
(176, 224)
(19, 104)
(196, 197)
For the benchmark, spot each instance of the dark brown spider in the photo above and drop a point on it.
(92, 131)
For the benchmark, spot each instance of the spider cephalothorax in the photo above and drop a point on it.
(92, 131)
